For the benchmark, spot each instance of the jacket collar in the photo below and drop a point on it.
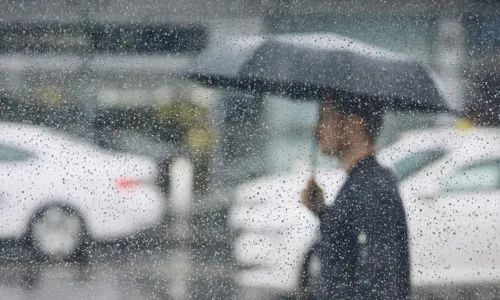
(363, 164)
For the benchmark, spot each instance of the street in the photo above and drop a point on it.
(114, 272)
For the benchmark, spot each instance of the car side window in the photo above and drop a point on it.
(410, 165)
(13, 154)
(479, 177)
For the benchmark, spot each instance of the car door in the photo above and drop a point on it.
(18, 182)
(469, 203)
(455, 223)
(17, 167)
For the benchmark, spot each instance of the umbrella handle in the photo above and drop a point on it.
(314, 157)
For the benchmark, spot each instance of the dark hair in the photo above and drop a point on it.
(373, 124)
(365, 108)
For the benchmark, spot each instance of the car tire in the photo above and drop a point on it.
(57, 233)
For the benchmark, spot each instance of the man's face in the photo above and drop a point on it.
(329, 131)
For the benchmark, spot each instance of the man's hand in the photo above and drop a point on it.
(312, 197)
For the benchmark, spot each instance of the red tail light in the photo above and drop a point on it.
(126, 183)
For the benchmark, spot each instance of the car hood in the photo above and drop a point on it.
(285, 187)
(274, 201)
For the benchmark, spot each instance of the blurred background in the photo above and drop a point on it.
(120, 179)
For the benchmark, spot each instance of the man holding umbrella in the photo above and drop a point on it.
(364, 246)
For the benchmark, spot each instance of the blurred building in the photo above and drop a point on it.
(109, 53)
(459, 38)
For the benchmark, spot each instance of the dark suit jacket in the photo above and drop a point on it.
(364, 245)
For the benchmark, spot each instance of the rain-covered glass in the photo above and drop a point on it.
(249, 149)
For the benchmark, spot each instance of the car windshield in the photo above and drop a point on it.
(413, 163)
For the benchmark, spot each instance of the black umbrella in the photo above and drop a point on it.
(307, 66)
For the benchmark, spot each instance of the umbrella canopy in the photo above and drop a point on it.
(307, 66)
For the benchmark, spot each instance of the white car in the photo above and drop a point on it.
(450, 185)
(59, 192)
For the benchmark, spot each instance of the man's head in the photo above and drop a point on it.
(341, 127)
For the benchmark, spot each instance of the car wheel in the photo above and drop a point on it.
(57, 233)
